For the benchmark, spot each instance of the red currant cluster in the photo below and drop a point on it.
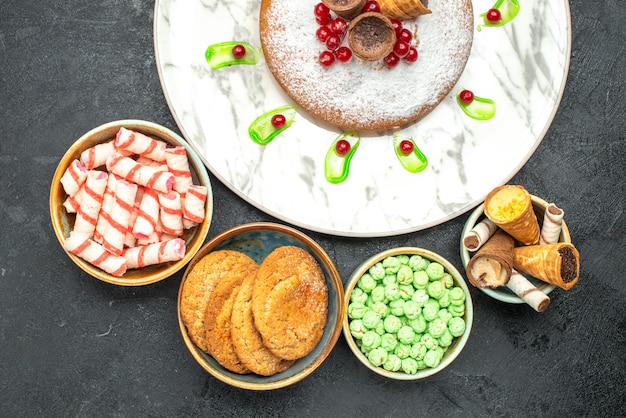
(332, 31)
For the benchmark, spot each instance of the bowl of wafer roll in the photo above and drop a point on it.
(131, 202)
(260, 306)
(516, 248)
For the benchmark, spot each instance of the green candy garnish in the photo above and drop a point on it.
(414, 160)
(262, 130)
(508, 10)
(480, 108)
(341, 151)
(225, 54)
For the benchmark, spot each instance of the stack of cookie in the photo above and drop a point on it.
(255, 318)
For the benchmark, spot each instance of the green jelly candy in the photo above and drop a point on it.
(221, 54)
(413, 161)
(336, 165)
(262, 130)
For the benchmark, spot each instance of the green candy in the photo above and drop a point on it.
(356, 310)
(435, 271)
(393, 363)
(380, 329)
(430, 310)
(436, 289)
(378, 294)
(391, 265)
(411, 309)
(366, 283)
(377, 356)
(447, 280)
(392, 291)
(456, 310)
(392, 324)
(456, 326)
(377, 271)
(396, 307)
(403, 259)
(389, 279)
(358, 295)
(406, 291)
(446, 339)
(409, 365)
(432, 358)
(429, 341)
(444, 301)
(420, 279)
(370, 319)
(380, 308)
(437, 327)
(402, 350)
(406, 334)
(420, 297)
(457, 296)
(444, 315)
(221, 54)
(419, 324)
(405, 275)
(418, 351)
(389, 342)
(357, 329)
(371, 340)
(417, 262)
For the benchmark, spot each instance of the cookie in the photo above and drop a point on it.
(217, 322)
(247, 340)
(290, 302)
(199, 285)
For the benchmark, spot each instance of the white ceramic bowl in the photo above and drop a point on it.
(458, 343)
(62, 222)
(503, 293)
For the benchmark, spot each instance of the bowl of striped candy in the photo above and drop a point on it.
(131, 202)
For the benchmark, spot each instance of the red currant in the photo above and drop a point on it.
(324, 19)
(371, 6)
(321, 9)
(493, 15)
(342, 147)
(338, 26)
(466, 97)
(391, 60)
(326, 58)
(343, 54)
(333, 42)
(406, 147)
(397, 26)
(278, 121)
(239, 51)
(411, 56)
(401, 48)
(406, 36)
(322, 33)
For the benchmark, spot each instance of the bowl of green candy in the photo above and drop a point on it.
(409, 313)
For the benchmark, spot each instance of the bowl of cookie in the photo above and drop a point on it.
(260, 306)
(409, 313)
(517, 248)
(131, 202)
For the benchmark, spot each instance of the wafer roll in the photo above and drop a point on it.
(95, 254)
(528, 292)
(97, 155)
(171, 213)
(491, 266)
(558, 264)
(123, 203)
(511, 208)
(87, 214)
(143, 175)
(177, 164)
(160, 252)
(140, 144)
(552, 225)
(481, 232)
(73, 177)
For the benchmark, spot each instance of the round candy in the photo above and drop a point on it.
(435, 271)
(436, 289)
(391, 265)
(388, 342)
(420, 279)
(371, 340)
(370, 319)
(377, 271)
(411, 309)
(366, 283)
(417, 262)
(456, 326)
(393, 363)
(392, 323)
(357, 329)
(409, 365)
(405, 275)
(406, 334)
(377, 356)
(356, 310)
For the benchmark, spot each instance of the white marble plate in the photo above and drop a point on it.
(522, 66)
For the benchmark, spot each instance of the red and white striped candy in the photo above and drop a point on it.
(140, 144)
(151, 163)
(97, 155)
(193, 205)
(148, 215)
(87, 214)
(92, 252)
(130, 240)
(177, 164)
(72, 203)
(171, 213)
(104, 217)
(161, 252)
(129, 169)
(73, 177)
(120, 216)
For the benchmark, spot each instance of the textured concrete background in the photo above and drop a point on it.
(73, 346)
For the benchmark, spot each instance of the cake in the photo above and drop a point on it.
(362, 95)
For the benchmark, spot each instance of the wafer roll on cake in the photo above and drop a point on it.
(558, 264)
(491, 266)
(552, 224)
(403, 9)
(511, 208)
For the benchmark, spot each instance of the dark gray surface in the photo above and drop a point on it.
(73, 346)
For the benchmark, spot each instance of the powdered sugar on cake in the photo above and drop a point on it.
(366, 95)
